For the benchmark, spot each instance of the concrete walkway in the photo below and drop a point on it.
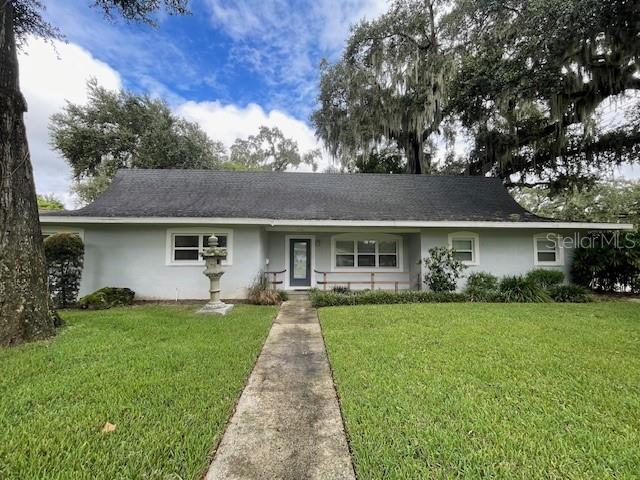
(287, 424)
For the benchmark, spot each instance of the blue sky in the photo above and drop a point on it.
(250, 51)
(230, 66)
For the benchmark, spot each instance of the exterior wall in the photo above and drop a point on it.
(134, 256)
(276, 254)
(501, 251)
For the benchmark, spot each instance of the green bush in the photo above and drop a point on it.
(64, 254)
(569, 293)
(523, 290)
(546, 278)
(608, 262)
(482, 281)
(341, 289)
(475, 294)
(442, 270)
(374, 297)
(107, 297)
(483, 287)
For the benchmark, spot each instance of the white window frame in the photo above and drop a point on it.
(53, 230)
(378, 237)
(200, 231)
(475, 250)
(559, 251)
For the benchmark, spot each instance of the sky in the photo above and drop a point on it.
(232, 66)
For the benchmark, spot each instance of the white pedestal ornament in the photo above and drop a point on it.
(213, 256)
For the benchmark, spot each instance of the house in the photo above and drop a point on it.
(306, 229)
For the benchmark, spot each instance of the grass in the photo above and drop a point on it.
(165, 376)
(489, 391)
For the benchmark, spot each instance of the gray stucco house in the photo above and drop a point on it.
(309, 229)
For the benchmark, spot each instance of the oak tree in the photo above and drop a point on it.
(24, 310)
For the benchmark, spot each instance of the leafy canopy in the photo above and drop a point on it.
(50, 202)
(28, 19)
(605, 201)
(116, 130)
(521, 80)
(269, 149)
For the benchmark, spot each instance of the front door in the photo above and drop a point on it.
(299, 262)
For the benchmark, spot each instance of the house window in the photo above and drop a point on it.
(367, 253)
(345, 254)
(547, 250)
(465, 247)
(185, 247)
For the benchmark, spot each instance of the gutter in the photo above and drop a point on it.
(70, 220)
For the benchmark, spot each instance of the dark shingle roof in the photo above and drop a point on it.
(305, 196)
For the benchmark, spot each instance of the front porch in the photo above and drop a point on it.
(385, 260)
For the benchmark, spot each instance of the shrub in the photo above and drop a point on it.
(376, 297)
(483, 287)
(443, 270)
(522, 289)
(607, 262)
(546, 278)
(107, 297)
(475, 294)
(482, 281)
(64, 254)
(261, 293)
(341, 289)
(569, 293)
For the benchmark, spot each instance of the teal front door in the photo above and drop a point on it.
(300, 262)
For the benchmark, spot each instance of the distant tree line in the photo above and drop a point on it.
(120, 129)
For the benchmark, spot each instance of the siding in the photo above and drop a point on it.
(135, 257)
(502, 252)
(277, 262)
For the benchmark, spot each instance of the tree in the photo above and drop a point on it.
(390, 85)
(270, 150)
(24, 311)
(49, 202)
(384, 160)
(123, 130)
(605, 201)
(522, 78)
(533, 73)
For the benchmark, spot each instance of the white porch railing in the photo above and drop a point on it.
(371, 279)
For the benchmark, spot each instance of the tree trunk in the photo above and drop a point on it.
(413, 149)
(24, 308)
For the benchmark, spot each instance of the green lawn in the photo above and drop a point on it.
(489, 391)
(166, 377)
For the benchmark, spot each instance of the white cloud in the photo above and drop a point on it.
(283, 41)
(226, 122)
(49, 75)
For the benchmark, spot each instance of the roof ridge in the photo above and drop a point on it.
(269, 172)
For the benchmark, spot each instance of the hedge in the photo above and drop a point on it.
(559, 293)
(328, 299)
